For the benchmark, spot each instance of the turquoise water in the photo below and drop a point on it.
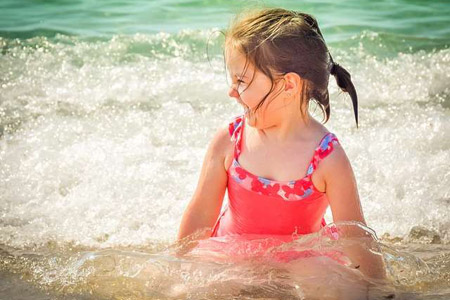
(420, 24)
(106, 110)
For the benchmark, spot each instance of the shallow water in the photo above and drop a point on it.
(105, 114)
(247, 269)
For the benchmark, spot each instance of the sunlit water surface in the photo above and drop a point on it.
(103, 132)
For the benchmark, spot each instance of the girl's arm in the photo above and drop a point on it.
(204, 207)
(342, 194)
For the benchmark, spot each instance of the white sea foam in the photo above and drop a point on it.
(106, 150)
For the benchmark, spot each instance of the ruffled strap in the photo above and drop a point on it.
(326, 146)
(235, 129)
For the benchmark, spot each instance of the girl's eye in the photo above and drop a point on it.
(240, 81)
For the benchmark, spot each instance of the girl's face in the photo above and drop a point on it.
(249, 87)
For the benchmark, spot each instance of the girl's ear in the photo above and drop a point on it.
(293, 82)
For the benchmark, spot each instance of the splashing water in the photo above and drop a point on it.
(101, 143)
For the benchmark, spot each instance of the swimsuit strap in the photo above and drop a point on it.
(326, 146)
(235, 129)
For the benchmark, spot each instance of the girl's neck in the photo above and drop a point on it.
(289, 128)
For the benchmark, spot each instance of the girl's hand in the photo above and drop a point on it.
(342, 194)
(183, 246)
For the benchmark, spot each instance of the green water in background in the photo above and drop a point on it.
(387, 27)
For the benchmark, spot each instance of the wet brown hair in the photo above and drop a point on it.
(279, 41)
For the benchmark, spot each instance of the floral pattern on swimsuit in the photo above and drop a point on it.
(287, 190)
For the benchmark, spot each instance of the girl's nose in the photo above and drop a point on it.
(232, 92)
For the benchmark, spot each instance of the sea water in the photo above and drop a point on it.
(106, 111)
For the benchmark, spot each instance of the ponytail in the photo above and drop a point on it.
(342, 76)
(344, 82)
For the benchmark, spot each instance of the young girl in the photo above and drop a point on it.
(282, 168)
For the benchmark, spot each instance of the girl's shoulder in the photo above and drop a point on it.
(222, 146)
(329, 142)
(330, 157)
(221, 141)
(323, 135)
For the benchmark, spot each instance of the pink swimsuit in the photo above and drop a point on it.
(262, 206)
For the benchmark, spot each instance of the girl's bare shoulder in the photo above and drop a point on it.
(222, 146)
(336, 162)
(319, 130)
